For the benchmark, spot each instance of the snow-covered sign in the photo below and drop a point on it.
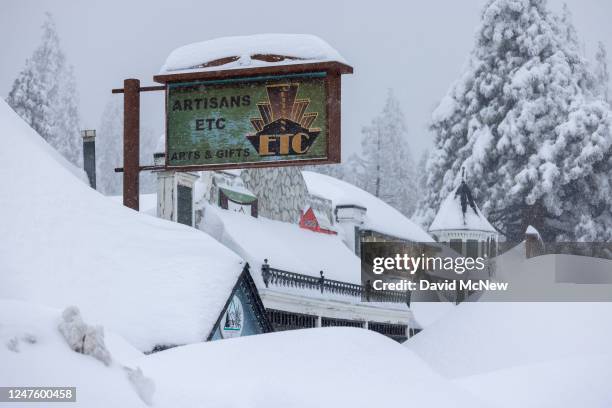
(256, 101)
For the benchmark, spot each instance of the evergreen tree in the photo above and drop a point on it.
(148, 146)
(421, 177)
(44, 95)
(522, 119)
(109, 148)
(354, 170)
(333, 170)
(389, 170)
(602, 75)
(109, 151)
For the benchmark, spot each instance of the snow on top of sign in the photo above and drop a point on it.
(153, 281)
(285, 245)
(246, 52)
(379, 216)
(451, 215)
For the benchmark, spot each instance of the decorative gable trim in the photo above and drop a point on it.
(245, 281)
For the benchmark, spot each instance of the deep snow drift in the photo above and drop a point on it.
(34, 353)
(330, 367)
(528, 354)
(153, 281)
(326, 367)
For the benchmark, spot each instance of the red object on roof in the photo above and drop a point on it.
(308, 220)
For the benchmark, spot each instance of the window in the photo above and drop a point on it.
(457, 245)
(184, 205)
(472, 248)
(395, 331)
(493, 249)
(330, 322)
(282, 320)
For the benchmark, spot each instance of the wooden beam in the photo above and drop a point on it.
(142, 89)
(131, 142)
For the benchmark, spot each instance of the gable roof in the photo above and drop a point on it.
(246, 281)
(460, 212)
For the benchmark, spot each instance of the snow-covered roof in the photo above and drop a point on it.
(325, 367)
(247, 52)
(459, 211)
(147, 203)
(285, 245)
(151, 280)
(379, 217)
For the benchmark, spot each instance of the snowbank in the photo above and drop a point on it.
(153, 281)
(147, 203)
(328, 367)
(34, 353)
(380, 216)
(240, 50)
(285, 245)
(528, 354)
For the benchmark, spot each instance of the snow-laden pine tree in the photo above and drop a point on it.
(109, 151)
(44, 95)
(602, 74)
(148, 146)
(354, 170)
(109, 148)
(333, 170)
(388, 167)
(523, 120)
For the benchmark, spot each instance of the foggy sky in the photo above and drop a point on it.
(417, 48)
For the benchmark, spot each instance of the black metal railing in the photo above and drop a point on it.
(278, 277)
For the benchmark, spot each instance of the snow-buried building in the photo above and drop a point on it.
(307, 275)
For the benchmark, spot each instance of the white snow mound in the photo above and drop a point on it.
(152, 281)
(34, 353)
(326, 367)
(301, 48)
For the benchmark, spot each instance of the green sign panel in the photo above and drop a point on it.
(247, 120)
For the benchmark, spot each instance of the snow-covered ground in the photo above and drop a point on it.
(528, 354)
(153, 281)
(34, 353)
(330, 367)
(147, 203)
